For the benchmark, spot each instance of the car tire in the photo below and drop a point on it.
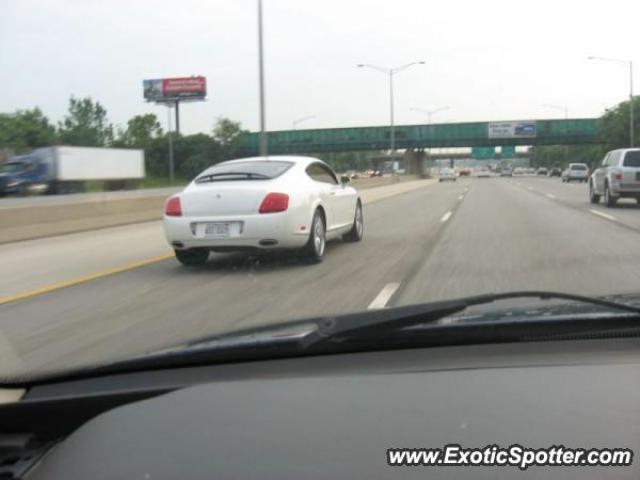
(314, 249)
(193, 257)
(609, 200)
(593, 196)
(357, 229)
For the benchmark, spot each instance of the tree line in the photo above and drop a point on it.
(86, 125)
(613, 133)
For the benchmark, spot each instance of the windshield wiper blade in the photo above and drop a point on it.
(379, 322)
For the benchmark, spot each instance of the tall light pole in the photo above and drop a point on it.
(391, 72)
(429, 113)
(302, 119)
(172, 175)
(631, 114)
(564, 109)
(263, 126)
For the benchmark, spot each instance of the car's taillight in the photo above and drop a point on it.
(173, 208)
(274, 202)
(616, 175)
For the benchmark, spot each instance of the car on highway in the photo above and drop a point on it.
(262, 204)
(576, 172)
(541, 171)
(506, 172)
(555, 172)
(464, 172)
(447, 174)
(617, 177)
(482, 172)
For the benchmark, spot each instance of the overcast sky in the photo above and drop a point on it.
(486, 60)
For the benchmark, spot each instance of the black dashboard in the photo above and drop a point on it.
(334, 417)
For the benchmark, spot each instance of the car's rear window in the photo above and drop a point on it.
(578, 167)
(632, 159)
(253, 170)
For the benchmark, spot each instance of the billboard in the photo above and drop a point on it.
(511, 129)
(167, 89)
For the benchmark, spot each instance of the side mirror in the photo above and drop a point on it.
(344, 179)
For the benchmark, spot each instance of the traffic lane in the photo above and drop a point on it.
(41, 263)
(36, 266)
(504, 238)
(165, 304)
(576, 194)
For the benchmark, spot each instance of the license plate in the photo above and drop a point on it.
(216, 229)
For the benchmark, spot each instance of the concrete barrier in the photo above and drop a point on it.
(27, 221)
(38, 217)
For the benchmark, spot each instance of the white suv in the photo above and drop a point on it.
(617, 177)
(576, 171)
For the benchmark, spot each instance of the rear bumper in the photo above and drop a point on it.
(264, 232)
(625, 189)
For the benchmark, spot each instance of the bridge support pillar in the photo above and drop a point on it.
(417, 162)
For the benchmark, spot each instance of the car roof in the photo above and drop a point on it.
(625, 150)
(298, 160)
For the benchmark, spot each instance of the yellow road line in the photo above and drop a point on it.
(83, 279)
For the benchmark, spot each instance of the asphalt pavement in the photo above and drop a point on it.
(439, 241)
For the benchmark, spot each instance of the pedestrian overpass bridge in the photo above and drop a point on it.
(571, 131)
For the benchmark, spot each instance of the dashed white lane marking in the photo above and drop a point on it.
(530, 188)
(603, 215)
(460, 197)
(446, 217)
(550, 195)
(383, 297)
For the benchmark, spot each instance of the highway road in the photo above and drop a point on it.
(423, 241)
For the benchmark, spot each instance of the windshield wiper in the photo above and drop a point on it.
(379, 322)
(244, 175)
(384, 328)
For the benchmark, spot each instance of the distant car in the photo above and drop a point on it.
(618, 177)
(464, 172)
(541, 171)
(482, 172)
(555, 172)
(259, 204)
(447, 174)
(576, 172)
(506, 172)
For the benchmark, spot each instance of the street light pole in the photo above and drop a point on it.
(391, 119)
(429, 113)
(263, 133)
(300, 120)
(391, 73)
(171, 163)
(631, 113)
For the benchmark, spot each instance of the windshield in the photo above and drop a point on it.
(194, 175)
(262, 170)
(632, 159)
(12, 167)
